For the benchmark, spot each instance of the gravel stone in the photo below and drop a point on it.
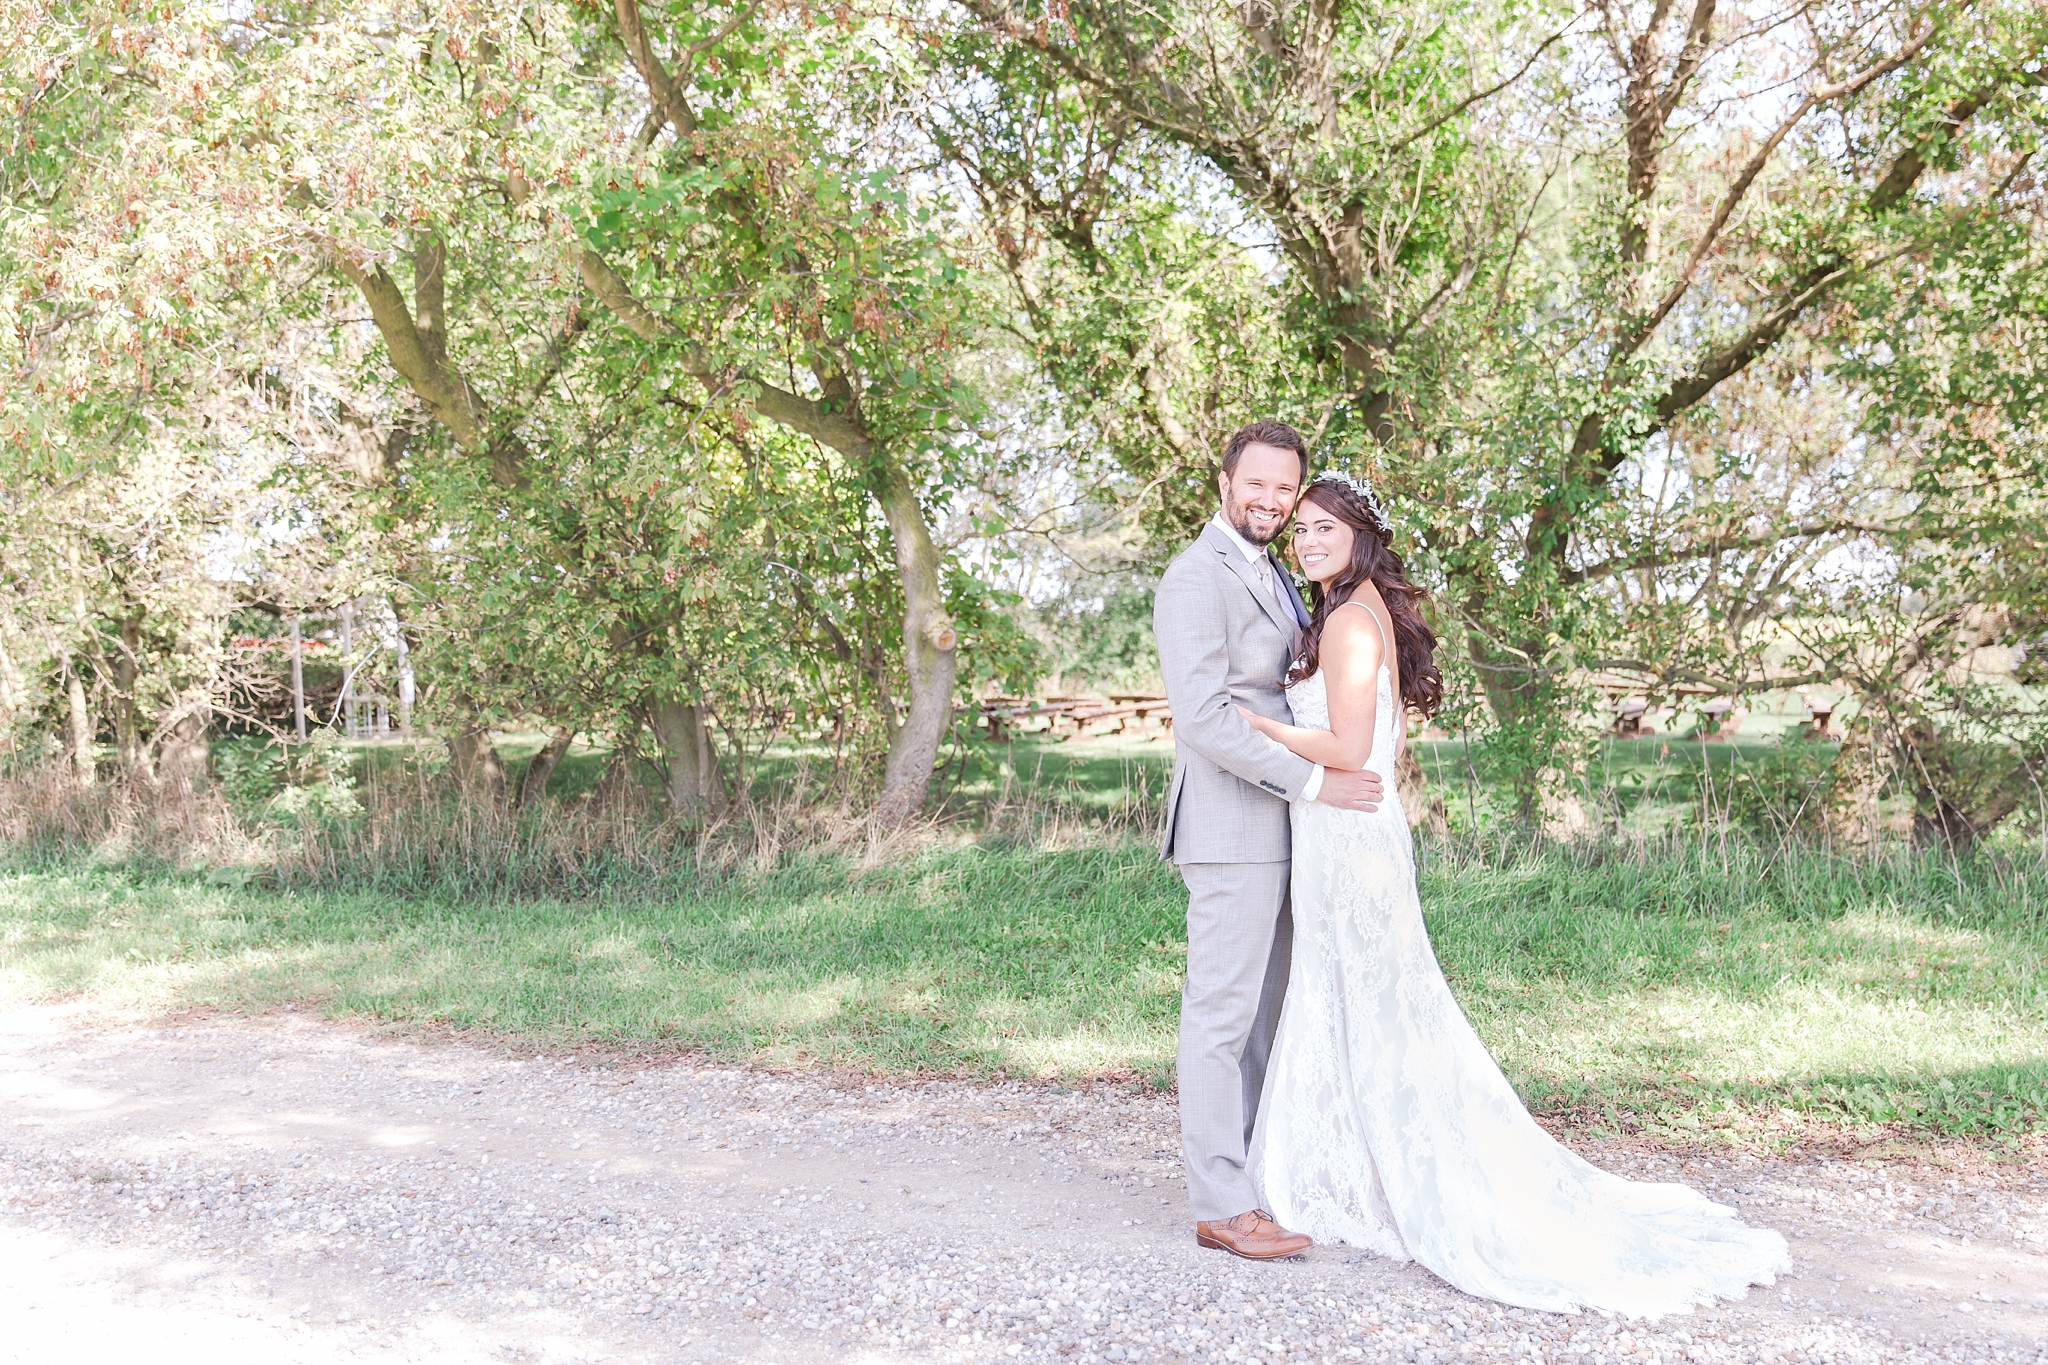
(353, 1195)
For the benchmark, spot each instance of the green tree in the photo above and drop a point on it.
(1523, 312)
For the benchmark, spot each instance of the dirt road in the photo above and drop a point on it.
(283, 1190)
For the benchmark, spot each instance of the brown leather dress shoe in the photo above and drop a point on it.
(1254, 1236)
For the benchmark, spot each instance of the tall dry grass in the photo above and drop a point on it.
(409, 832)
(46, 816)
(426, 838)
(406, 830)
(419, 838)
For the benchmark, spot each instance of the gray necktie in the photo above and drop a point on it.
(1271, 577)
(1277, 584)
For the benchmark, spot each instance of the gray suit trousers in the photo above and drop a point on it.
(1240, 938)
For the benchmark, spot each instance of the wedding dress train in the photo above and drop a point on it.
(1386, 1125)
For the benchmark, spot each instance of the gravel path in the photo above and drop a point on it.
(280, 1190)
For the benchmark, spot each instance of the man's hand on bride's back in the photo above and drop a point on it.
(1351, 790)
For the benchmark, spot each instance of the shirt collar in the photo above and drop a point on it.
(1250, 551)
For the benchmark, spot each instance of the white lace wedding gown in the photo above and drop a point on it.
(1386, 1125)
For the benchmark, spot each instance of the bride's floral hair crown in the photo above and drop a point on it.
(1360, 489)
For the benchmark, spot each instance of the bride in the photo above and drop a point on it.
(1385, 1124)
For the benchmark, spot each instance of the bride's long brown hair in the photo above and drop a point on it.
(1372, 560)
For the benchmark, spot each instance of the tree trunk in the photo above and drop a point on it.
(128, 739)
(183, 754)
(533, 783)
(694, 786)
(10, 698)
(79, 721)
(1860, 771)
(1563, 815)
(929, 650)
(474, 760)
(348, 674)
(1417, 804)
(407, 689)
(298, 682)
(1963, 788)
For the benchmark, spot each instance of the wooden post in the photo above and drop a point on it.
(298, 683)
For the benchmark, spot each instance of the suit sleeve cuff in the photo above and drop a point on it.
(1314, 786)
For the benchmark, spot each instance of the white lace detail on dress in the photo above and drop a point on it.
(1386, 1125)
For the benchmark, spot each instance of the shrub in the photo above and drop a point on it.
(1786, 790)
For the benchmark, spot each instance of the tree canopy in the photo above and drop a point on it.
(707, 374)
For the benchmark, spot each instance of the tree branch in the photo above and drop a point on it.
(1905, 172)
(1740, 189)
(1158, 403)
(1244, 161)
(667, 97)
(1484, 95)
(430, 294)
(1697, 31)
(1658, 675)
(832, 428)
(1664, 558)
(444, 391)
(1751, 344)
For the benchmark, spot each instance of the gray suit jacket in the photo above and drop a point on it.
(1225, 641)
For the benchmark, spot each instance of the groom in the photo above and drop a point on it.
(1228, 621)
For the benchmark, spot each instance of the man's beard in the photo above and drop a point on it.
(1240, 519)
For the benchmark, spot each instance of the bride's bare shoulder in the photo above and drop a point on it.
(1352, 647)
(1362, 625)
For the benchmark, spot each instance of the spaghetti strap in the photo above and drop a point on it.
(1386, 645)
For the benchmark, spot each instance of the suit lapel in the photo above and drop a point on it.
(1245, 574)
(1286, 582)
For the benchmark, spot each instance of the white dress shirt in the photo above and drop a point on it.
(1256, 556)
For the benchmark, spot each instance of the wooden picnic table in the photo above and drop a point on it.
(1001, 714)
(1142, 708)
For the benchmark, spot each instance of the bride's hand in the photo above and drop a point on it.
(1260, 723)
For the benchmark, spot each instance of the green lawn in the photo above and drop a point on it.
(1751, 998)
(1098, 773)
(1690, 995)
(1649, 783)
(1655, 785)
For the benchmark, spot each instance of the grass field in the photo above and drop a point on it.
(1099, 774)
(1649, 784)
(1699, 992)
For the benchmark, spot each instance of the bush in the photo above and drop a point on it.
(1107, 642)
(1787, 790)
(250, 772)
(267, 784)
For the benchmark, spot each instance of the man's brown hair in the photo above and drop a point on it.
(1267, 431)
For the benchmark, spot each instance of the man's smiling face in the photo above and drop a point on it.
(1258, 496)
